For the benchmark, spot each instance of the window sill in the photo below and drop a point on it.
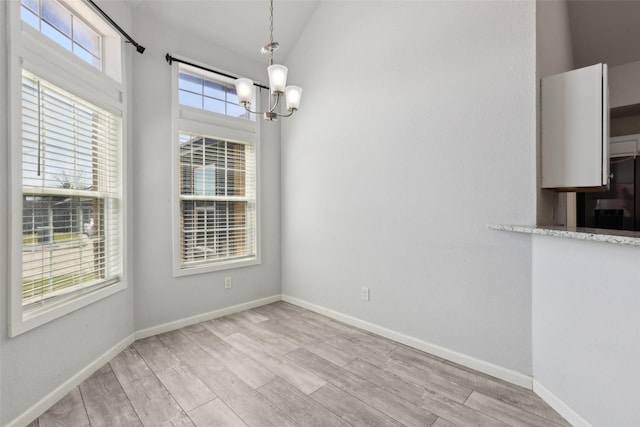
(227, 265)
(25, 320)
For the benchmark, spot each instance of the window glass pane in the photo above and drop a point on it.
(86, 37)
(214, 105)
(214, 90)
(31, 4)
(232, 96)
(190, 99)
(190, 83)
(60, 251)
(237, 111)
(86, 56)
(205, 180)
(214, 230)
(57, 16)
(56, 35)
(30, 18)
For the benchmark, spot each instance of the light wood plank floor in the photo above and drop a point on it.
(280, 365)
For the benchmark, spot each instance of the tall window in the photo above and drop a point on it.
(70, 187)
(216, 205)
(66, 183)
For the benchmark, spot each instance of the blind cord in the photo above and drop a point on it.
(39, 126)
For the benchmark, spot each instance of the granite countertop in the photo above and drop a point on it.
(620, 237)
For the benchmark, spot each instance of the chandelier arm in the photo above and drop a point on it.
(252, 112)
(286, 115)
(271, 110)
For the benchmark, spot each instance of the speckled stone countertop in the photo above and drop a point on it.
(595, 234)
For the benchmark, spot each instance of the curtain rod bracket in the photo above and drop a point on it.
(140, 49)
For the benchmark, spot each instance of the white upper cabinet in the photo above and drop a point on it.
(575, 129)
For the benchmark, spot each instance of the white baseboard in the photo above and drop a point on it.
(462, 359)
(177, 324)
(52, 398)
(559, 406)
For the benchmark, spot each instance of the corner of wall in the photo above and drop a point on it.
(554, 54)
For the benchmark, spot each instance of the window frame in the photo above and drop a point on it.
(215, 125)
(74, 18)
(44, 58)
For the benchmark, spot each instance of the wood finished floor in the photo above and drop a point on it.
(280, 365)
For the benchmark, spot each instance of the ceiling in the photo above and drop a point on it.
(605, 31)
(601, 30)
(239, 25)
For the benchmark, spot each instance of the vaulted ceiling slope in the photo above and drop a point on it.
(239, 25)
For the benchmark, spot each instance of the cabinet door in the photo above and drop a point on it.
(575, 129)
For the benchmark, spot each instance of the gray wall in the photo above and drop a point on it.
(416, 130)
(160, 297)
(586, 327)
(35, 363)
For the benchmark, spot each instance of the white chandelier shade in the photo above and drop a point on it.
(277, 78)
(293, 94)
(244, 89)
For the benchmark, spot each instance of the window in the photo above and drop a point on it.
(216, 203)
(198, 92)
(217, 185)
(70, 193)
(60, 25)
(66, 176)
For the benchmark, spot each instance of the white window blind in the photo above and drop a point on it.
(71, 193)
(217, 200)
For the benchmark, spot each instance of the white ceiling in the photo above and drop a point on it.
(602, 30)
(605, 31)
(239, 25)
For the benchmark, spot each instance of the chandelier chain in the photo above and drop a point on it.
(271, 20)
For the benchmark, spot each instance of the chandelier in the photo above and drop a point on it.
(277, 83)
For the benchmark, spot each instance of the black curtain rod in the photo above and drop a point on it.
(139, 48)
(171, 59)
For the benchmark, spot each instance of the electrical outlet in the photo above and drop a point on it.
(365, 293)
(228, 284)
